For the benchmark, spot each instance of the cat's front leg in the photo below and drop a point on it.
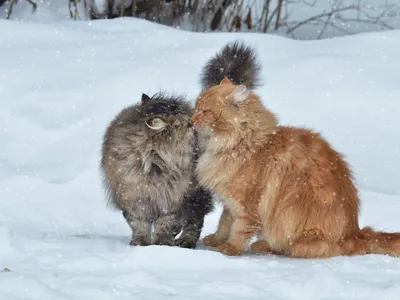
(194, 210)
(166, 227)
(191, 233)
(242, 231)
(141, 229)
(222, 233)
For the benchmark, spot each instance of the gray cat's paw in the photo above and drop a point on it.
(139, 243)
(163, 242)
(183, 243)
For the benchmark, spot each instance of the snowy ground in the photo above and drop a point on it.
(60, 85)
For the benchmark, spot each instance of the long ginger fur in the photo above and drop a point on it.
(285, 185)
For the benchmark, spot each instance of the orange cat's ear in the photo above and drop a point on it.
(225, 81)
(240, 94)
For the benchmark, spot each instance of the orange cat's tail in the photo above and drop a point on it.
(367, 241)
(372, 242)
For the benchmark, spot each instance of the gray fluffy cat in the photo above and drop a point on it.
(148, 161)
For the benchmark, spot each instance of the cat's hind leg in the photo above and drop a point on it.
(261, 247)
(194, 211)
(313, 244)
(166, 227)
(190, 234)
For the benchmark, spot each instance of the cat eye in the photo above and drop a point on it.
(156, 124)
(202, 111)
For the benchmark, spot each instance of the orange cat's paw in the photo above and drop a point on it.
(229, 249)
(261, 247)
(212, 240)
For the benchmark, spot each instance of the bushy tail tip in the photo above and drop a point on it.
(236, 61)
(369, 241)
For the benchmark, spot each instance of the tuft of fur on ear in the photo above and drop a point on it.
(225, 81)
(145, 98)
(240, 94)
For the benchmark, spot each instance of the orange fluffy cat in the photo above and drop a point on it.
(285, 185)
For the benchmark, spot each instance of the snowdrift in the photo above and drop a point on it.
(61, 83)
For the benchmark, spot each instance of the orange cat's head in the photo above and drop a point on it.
(220, 110)
(230, 110)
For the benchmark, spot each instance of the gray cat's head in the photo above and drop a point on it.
(165, 118)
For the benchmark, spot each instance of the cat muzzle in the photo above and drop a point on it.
(196, 119)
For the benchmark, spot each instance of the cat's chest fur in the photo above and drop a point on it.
(215, 171)
(159, 177)
(169, 177)
(236, 180)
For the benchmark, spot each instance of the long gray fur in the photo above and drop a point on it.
(149, 174)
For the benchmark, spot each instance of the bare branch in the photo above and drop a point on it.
(74, 15)
(317, 17)
(13, 2)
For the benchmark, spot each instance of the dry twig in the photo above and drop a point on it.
(13, 2)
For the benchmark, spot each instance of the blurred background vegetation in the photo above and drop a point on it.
(299, 19)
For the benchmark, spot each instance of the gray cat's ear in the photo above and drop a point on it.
(145, 98)
(240, 94)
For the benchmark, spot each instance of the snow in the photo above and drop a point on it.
(60, 85)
